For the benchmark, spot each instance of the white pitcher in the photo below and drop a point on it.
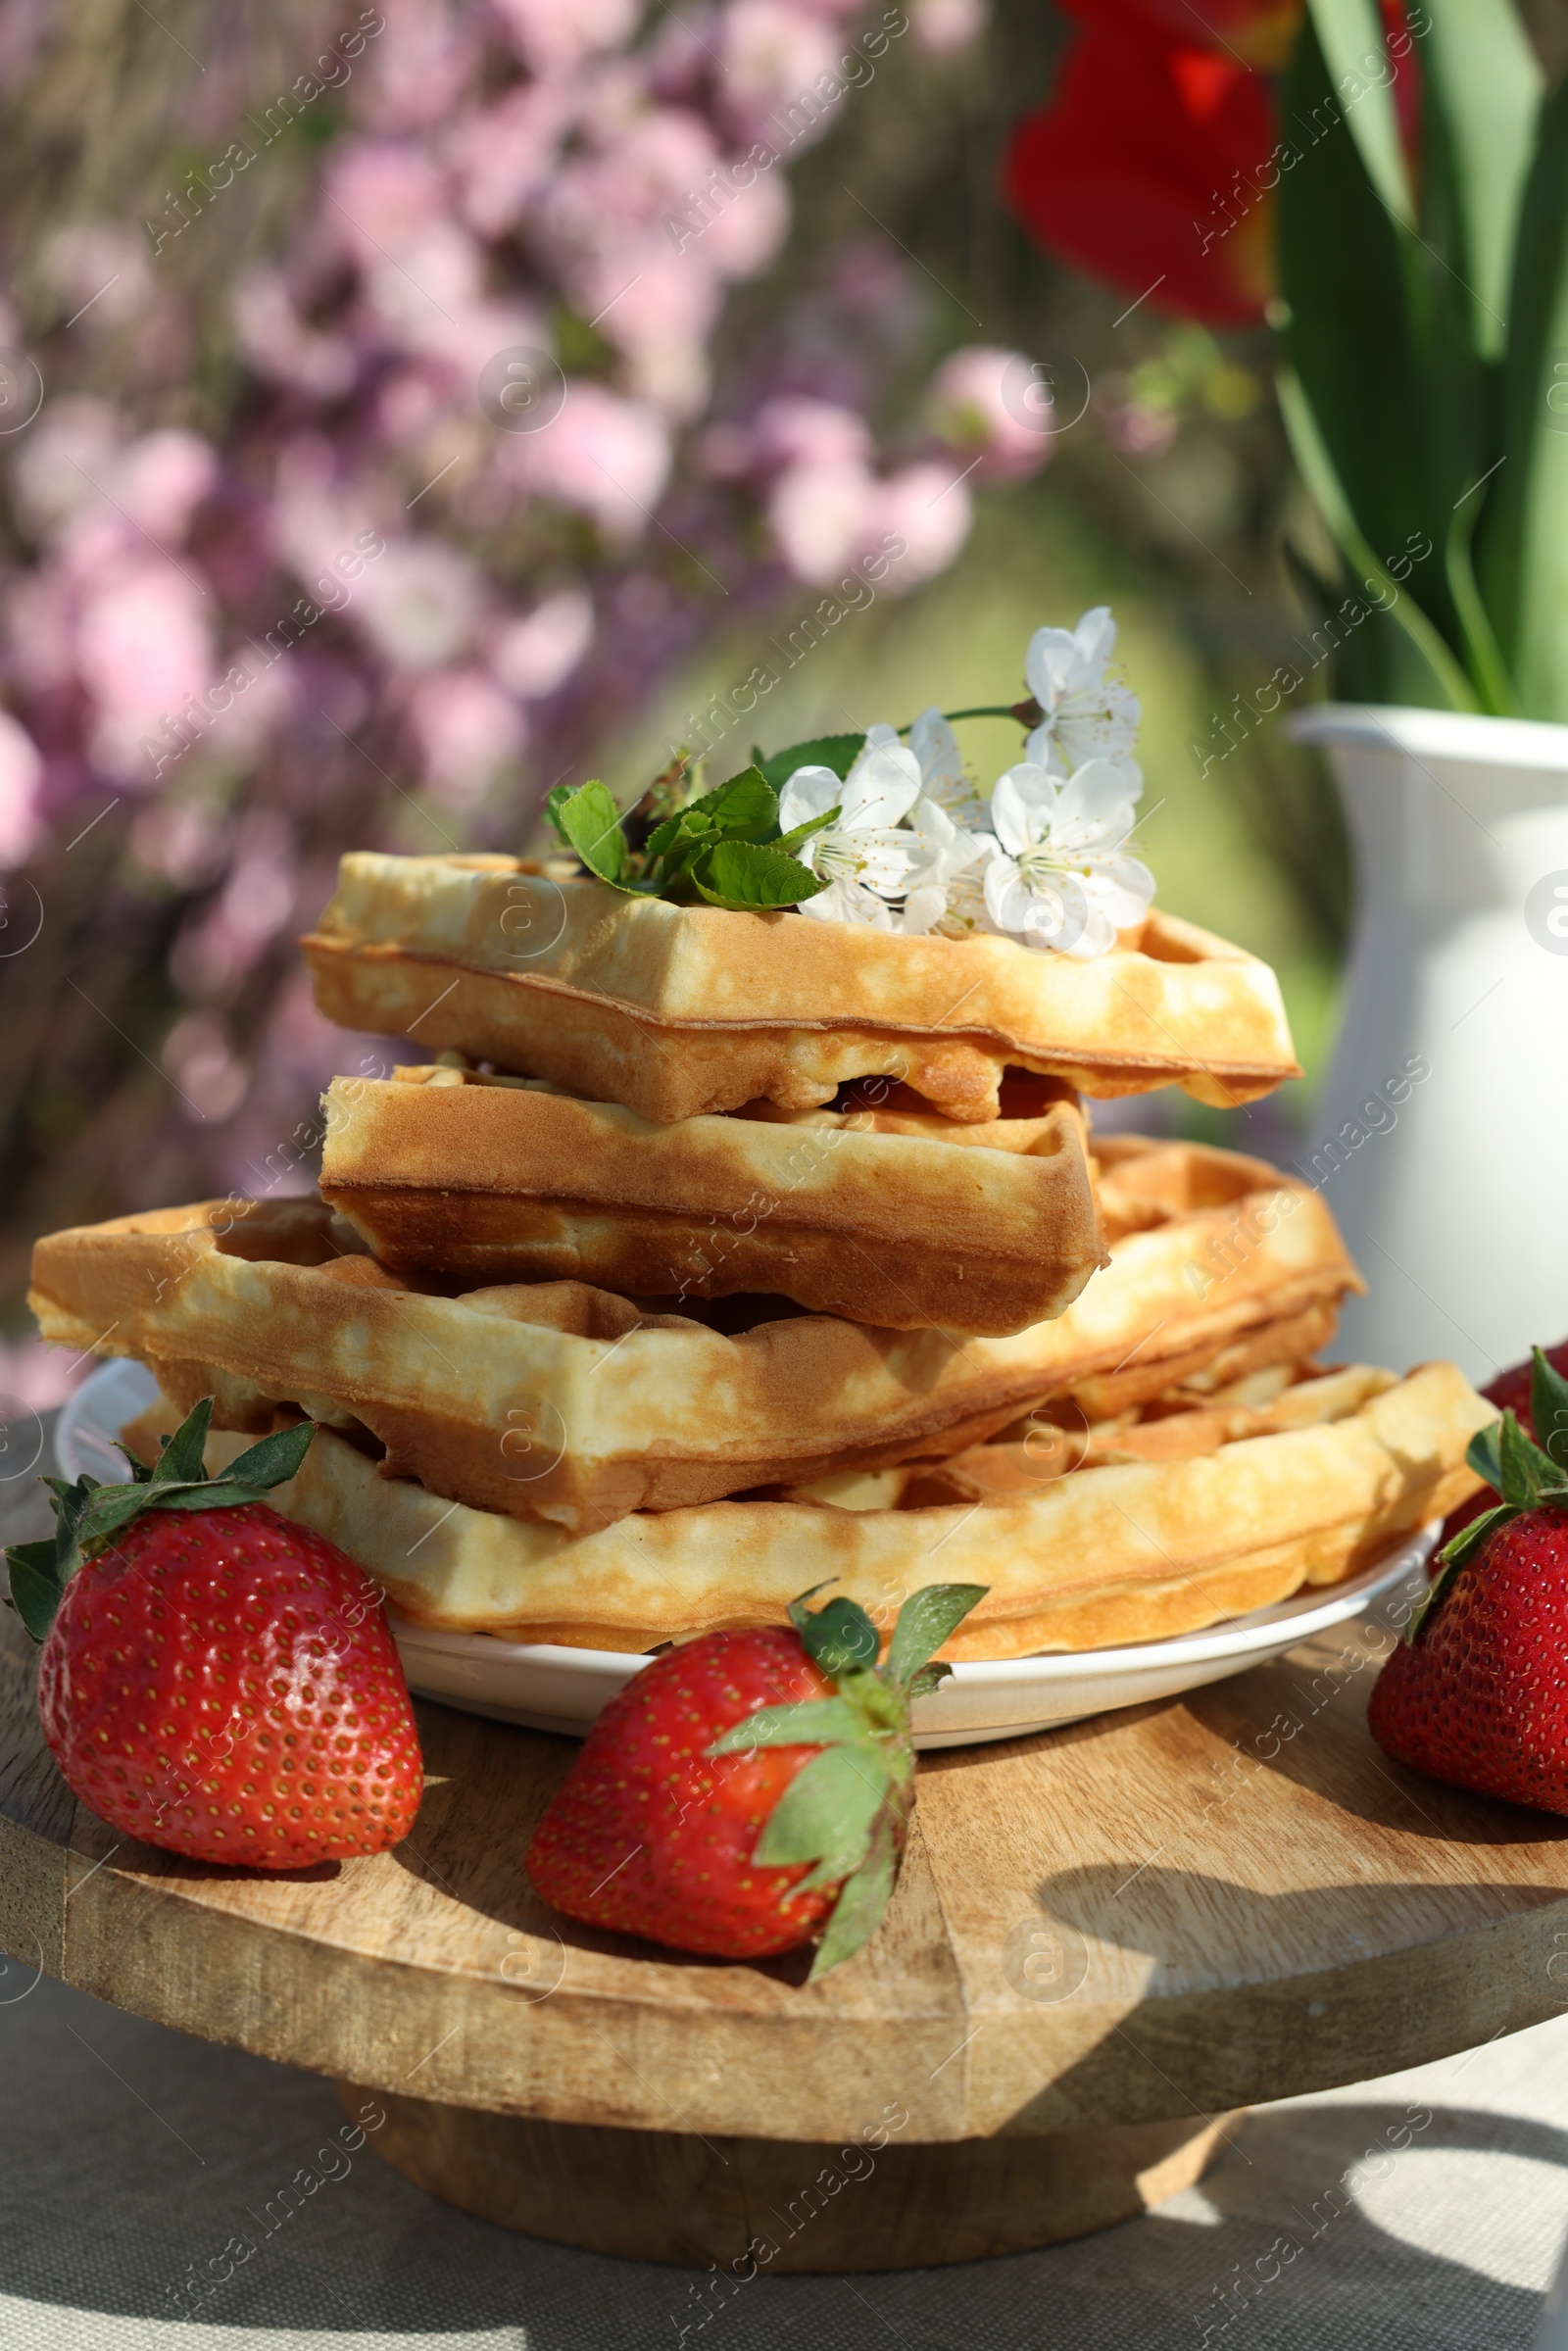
(1440, 1136)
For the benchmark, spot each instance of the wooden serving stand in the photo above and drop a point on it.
(1106, 1940)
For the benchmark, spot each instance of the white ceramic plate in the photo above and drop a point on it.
(551, 1689)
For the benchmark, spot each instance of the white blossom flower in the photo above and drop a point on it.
(862, 856)
(1059, 877)
(942, 771)
(1086, 715)
(942, 875)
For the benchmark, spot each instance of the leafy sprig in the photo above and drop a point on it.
(845, 1811)
(725, 848)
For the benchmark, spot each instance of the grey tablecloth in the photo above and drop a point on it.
(1422, 2210)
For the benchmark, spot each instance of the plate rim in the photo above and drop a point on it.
(1229, 1637)
(1302, 1615)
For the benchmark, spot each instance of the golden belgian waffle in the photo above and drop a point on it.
(1097, 1558)
(561, 1402)
(679, 1011)
(499, 1180)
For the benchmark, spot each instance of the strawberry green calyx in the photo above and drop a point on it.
(846, 1811)
(1526, 1475)
(88, 1515)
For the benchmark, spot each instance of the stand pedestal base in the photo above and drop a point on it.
(699, 2203)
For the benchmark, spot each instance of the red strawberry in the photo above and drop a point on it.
(750, 1790)
(215, 1679)
(1476, 1695)
(1510, 1393)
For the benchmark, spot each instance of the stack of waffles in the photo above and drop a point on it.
(700, 1258)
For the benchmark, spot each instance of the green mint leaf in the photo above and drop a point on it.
(591, 821)
(927, 1618)
(273, 1461)
(749, 878)
(808, 1722)
(790, 842)
(745, 809)
(838, 752)
(838, 1637)
(1548, 1410)
(858, 1910)
(555, 799)
(826, 1812)
(183, 1457)
(677, 827)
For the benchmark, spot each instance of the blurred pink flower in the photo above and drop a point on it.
(63, 459)
(537, 654)
(279, 345)
(36, 1378)
(604, 217)
(553, 35)
(381, 199)
(144, 650)
(748, 231)
(182, 840)
(162, 479)
(505, 155)
(942, 28)
(199, 1057)
(772, 55)
(988, 404)
(467, 731)
(605, 457)
(418, 603)
(822, 517)
(460, 346)
(257, 713)
(674, 377)
(928, 506)
(797, 431)
(21, 773)
(40, 637)
(222, 943)
(680, 55)
(412, 74)
(100, 269)
(416, 298)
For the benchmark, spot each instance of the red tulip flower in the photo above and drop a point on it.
(1150, 169)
